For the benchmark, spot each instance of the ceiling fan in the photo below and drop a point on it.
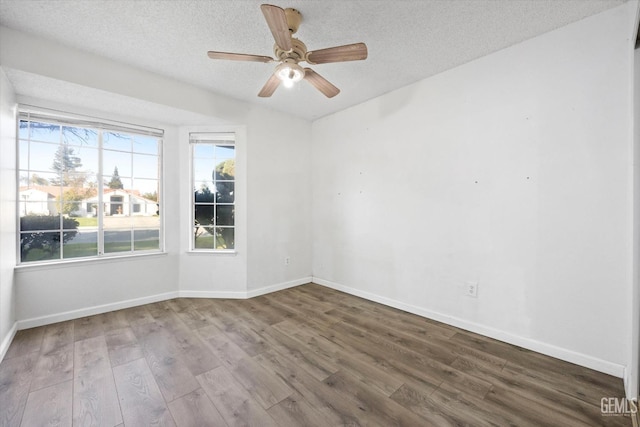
(290, 51)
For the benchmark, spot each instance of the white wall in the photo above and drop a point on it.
(7, 212)
(511, 171)
(279, 204)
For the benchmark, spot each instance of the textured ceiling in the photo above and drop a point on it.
(407, 40)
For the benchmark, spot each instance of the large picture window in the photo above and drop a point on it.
(213, 168)
(87, 188)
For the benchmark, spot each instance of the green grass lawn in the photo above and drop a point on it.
(205, 241)
(87, 221)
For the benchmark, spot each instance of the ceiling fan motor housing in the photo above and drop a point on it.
(298, 51)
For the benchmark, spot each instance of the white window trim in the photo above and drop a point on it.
(73, 262)
(240, 223)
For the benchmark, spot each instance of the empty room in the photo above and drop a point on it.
(319, 213)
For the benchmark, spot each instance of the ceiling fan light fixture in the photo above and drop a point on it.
(289, 73)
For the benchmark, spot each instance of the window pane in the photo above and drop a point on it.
(23, 154)
(226, 171)
(23, 180)
(117, 241)
(116, 206)
(225, 192)
(145, 144)
(73, 207)
(224, 215)
(146, 239)
(145, 166)
(43, 181)
(144, 211)
(113, 183)
(37, 207)
(23, 129)
(39, 222)
(69, 224)
(77, 195)
(147, 189)
(225, 238)
(83, 244)
(44, 132)
(39, 246)
(116, 159)
(203, 151)
(203, 237)
(41, 156)
(115, 222)
(65, 162)
(224, 152)
(203, 170)
(116, 141)
(80, 136)
(88, 157)
(145, 221)
(205, 214)
(205, 191)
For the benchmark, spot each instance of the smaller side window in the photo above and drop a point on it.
(213, 164)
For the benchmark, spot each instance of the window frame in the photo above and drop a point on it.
(31, 113)
(224, 138)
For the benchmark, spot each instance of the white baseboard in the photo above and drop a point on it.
(212, 294)
(630, 389)
(278, 287)
(528, 343)
(90, 311)
(244, 294)
(6, 341)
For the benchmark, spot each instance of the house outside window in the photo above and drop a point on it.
(87, 188)
(213, 157)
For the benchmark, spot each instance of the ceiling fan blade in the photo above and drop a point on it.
(239, 57)
(320, 83)
(349, 52)
(277, 22)
(269, 87)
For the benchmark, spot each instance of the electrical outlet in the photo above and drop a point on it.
(287, 260)
(471, 289)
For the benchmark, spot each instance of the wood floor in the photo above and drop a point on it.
(306, 356)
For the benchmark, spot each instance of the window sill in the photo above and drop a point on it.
(214, 253)
(71, 263)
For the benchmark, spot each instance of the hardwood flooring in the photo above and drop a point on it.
(305, 356)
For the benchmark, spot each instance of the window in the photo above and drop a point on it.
(213, 167)
(79, 184)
